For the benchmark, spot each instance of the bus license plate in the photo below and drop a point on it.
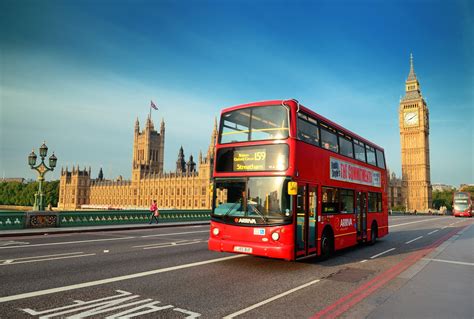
(241, 249)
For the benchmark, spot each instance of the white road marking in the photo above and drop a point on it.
(444, 227)
(434, 231)
(45, 256)
(450, 261)
(110, 305)
(418, 221)
(170, 234)
(235, 314)
(45, 259)
(67, 242)
(12, 242)
(113, 279)
(363, 261)
(176, 244)
(410, 241)
(382, 253)
(158, 244)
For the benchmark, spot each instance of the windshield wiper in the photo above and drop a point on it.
(232, 207)
(259, 213)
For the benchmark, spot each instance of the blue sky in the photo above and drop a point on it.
(78, 73)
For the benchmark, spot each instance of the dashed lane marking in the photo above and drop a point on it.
(434, 231)
(177, 244)
(170, 234)
(66, 242)
(261, 303)
(113, 279)
(382, 253)
(41, 258)
(418, 221)
(410, 241)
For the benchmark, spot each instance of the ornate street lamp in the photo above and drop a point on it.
(41, 168)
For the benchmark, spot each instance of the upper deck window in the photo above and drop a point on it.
(254, 124)
(380, 159)
(370, 155)
(308, 130)
(329, 138)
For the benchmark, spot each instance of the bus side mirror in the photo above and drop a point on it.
(292, 188)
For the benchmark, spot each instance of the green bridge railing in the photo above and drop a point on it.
(121, 217)
(12, 220)
(18, 220)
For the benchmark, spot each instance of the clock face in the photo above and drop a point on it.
(410, 118)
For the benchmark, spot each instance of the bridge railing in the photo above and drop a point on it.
(18, 220)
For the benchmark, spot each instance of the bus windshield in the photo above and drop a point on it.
(254, 124)
(264, 199)
(461, 204)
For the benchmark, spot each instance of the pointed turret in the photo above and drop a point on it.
(412, 86)
(101, 175)
(137, 126)
(212, 145)
(162, 125)
(181, 163)
(149, 123)
(411, 75)
(190, 165)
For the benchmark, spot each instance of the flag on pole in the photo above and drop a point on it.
(153, 105)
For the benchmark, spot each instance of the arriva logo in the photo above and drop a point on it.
(346, 222)
(245, 220)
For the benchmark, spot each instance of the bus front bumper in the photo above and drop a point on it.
(252, 248)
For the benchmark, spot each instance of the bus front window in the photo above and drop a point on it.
(264, 198)
(254, 124)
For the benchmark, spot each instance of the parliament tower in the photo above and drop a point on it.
(414, 140)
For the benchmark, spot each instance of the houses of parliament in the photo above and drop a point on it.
(186, 188)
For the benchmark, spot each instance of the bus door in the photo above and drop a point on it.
(306, 220)
(361, 215)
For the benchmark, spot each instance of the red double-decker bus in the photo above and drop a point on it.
(289, 183)
(462, 204)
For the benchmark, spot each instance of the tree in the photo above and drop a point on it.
(19, 194)
(443, 198)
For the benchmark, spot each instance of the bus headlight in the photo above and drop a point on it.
(275, 236)
(215, 231)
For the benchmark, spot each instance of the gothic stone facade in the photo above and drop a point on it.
(186, 188)
(414, 140)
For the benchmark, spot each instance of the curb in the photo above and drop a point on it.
(47, 231)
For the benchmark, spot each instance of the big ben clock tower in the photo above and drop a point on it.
(414, 140)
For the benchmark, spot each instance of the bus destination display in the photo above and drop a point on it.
(253, 159)
(249, 160)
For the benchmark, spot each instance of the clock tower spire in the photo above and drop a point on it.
(414, 140)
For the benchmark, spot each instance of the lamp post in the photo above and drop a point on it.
(41, 168)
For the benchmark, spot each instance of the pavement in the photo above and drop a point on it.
(84, 229)
(438, 286)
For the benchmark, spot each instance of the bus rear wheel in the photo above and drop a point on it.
(373, 234)
(326, 245)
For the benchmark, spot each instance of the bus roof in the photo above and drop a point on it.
(307, 110)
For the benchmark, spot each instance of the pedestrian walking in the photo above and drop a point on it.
(154, 212)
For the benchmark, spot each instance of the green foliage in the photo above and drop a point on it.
(469, 189)
(19, 194)
(443, 198)
(398, 208)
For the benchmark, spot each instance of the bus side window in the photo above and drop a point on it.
(329, 140)
(330, 200)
